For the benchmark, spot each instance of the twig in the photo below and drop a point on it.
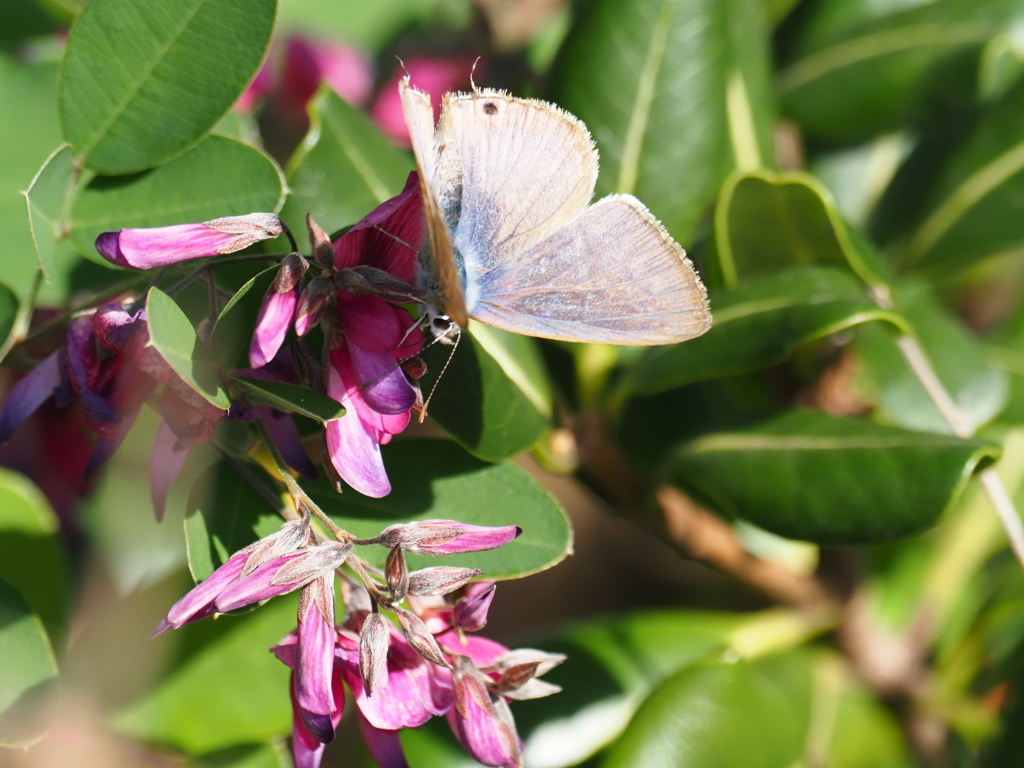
(23, 318)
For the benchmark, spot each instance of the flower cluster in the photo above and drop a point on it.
(400, 673)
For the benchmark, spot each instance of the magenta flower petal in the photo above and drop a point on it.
(308, 62)
(161, 246)
(275, 317)
(198, 603)
(474, 721)
(114, 326)
(165, 465)
(286, 437)
(282, 575)
(385, 747)
(385, 388)
(306, 749)
(260, 86)
(372, 324)
(34, 389)
(316, 637)
(471, 611)
(482, 650)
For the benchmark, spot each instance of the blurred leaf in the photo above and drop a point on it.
(32, 559)
(976, 386)
(436, 479)
(805, 225)
(24, 19)
(810, 476)
(344, 168)
(856, 69)
(8, 311)
(956, 198)
(293, 398)
(760, 324)
(49, 198)
(865, 734)
(225, 513)
(670, 90)
(28, 672)
(173, 336)
(129, 67)
(245, 756)
(232, 333)
(218, 177)
(226, 690)
(1001, 66)
(720, 716)
(494, 397)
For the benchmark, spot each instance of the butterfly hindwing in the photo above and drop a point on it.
(612, 275)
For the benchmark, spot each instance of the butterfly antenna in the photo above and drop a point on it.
(433, 389)
(472, 72)
(398, 363)
(396, 238)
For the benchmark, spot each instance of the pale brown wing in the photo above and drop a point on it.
(612, 275)
(442, 283)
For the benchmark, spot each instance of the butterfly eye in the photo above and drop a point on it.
(440, 324)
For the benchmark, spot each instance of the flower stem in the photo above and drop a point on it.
(22, 320)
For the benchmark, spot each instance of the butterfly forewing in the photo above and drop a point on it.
(526, 169)
(612, 275)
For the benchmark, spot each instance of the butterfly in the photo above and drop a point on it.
(514, 241)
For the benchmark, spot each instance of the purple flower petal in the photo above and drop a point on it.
(471, 611)
(384, 387)
(34, 389)
(385, 747)
(161, 246)
(264, 583)
(447, 537)
(275, 317)
(286, 437)
(198, 603)
(165, 465)
(316, 637)
(473, 719)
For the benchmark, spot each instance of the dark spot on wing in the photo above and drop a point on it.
(490, 107)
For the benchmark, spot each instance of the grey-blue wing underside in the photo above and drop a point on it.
(612, 275)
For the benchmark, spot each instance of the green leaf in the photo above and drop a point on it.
(955, 199)
(245, 756)
(225, 513)
(8, 311)
(806, 475)
(343, 170)
(670, 90)
(494, 397)
(32, 559)
(174, 338)
(219, 177)
(435, 479)
(24, 19)
(132, 67)
(719, 716)
(978, 388)
(801, 215)
(760, 324)
(49, 199)
(293, 398)
(28, 672)
(856, 69)
(232, 333)
(225, 689)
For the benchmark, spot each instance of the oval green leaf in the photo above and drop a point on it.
(760, 324)
(28, 673)
(141, 82)
(219, 177)
(344, 169)
(720, 716)
(806, 475)
(494, 397)
(670, 90)
(172, 335)
(245, 756)
(49, 198)
(232, 333)
(436, 479)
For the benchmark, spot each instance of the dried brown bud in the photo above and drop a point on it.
(292, 270)
(364, 280)
(396, 571)
(414, 367)
(312, 304)
(323, 251)
(468, 685)
(419, 637)
(317, 560)
(373, 651)
(440, 580)
(292, 536)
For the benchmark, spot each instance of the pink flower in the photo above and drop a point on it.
(161, 246)
(436, 76)
(447, 537)
(308, 61)
(363, 373)
(277, 311)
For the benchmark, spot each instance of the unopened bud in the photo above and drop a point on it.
(440, 580)
(543, 660)
(470, 612)
(312, 303)
(364, 280)
(323, 251)
(468, 686)
(317, 560)
(419, 637)
(292, 270)
(292, 536)
(532, 689)
(446, 537)
(396, 571)
(414, 367)
(373, 651)
(248, 229)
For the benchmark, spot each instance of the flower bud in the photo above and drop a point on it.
(419, 637)
(312, 304)
(440, 580)
(414, 367)
(323, 251)
(396, 571)
(470, 612)
(292, 270)
(446, 537)
(374, 639)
